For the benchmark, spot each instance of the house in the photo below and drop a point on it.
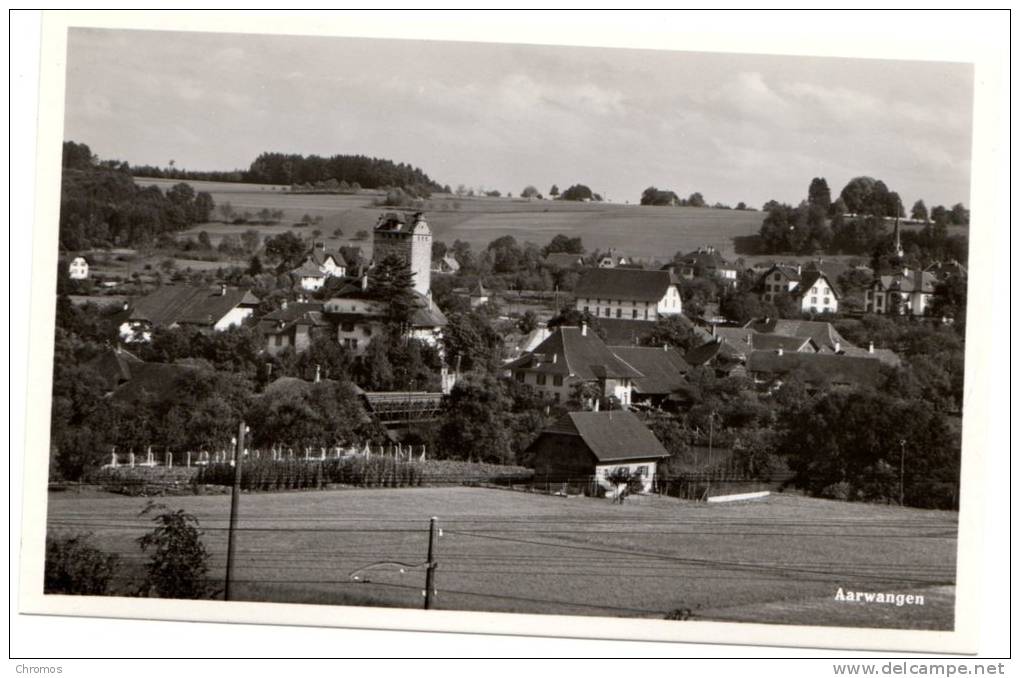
(573, 356)
(815, 293)
(201, 308)
(319, 265)
(612, 259)
(948, 269)
(354, 258)
(778, 279)
(113, 366)
(588, 446)
(78, 269)
(705, 262)
(446, 265)
(631, 293)
(822, 334)
(479, 295)
(564, 260)
(908, 291)
(663, 370)
(293, 326)
(743, 340)
(718, 355)
(771, 368)
(358, 316)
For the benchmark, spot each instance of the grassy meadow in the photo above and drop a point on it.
(777, 560)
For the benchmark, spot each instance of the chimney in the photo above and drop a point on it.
(223, 289)
(269, 369)
(283, 305)
(584, 329)
(798, 269)
(318, 373)
(596, 404)
(665, 347)
(554, 358)
(779, 351)
(871, 347)
(837, 347)
(364, 281)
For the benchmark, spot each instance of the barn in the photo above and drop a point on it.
(582, 446)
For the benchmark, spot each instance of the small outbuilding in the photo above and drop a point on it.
(585, 446)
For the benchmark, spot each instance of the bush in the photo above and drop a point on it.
(75, 567)
(179, 560)
(840, 491)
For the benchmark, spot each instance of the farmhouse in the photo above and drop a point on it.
(573, 356)
(185, 306)
(717, 355)
(358, 316)
(822, 334)
(771, 368)
(584, 446)
(778, 279)
(318, 266)
(706, 262)
(446, 265)
(630, 293)
(663, 371)
(78, 269)
(293, 326)
(815, 293)
(908, 291)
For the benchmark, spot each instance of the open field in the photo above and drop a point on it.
(778, 560)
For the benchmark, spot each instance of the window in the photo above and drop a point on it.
(814, 301)
(519, 377)
(279, 340)
(586, 309)
(347, 327)
(826, 301)
(641, 471)
(633, 314)
(608, 310)
(619, 312)
(646, 314)
(814, 290)
(556, 396)
(540, 379)
(777, 277)
(558, 380)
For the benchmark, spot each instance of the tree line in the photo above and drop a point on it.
(101, 206)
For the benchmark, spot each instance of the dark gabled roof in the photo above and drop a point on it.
(714, 349)
(300, 313)
(882, 355)
(568, 352)
(479, 290)
(564, 260)
(836, 369)
(114, 366)
(914, 281)
(426, 313)
(625, 331)
(352, 255)
(808, 279)
(735, 337)
(823, 334)
(789, 272)
(309, 269)
(616, 435)
(396, 222)
(772, 342)
(663, 368)
(319, 256)
(159, 380)
(182, 304)
(623, 283)
(705, 257)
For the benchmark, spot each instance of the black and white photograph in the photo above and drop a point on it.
(671, 340)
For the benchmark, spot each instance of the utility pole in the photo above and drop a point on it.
(711, 432)
(903, 454)
(430, 565)
(235, 495)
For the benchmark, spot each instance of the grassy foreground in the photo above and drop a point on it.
(777, 560)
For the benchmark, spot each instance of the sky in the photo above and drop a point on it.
(734, 127)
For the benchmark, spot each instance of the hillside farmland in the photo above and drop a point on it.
(778, 560)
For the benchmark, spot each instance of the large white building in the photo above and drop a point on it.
(200, 308)
(908, 291)
(627, 293)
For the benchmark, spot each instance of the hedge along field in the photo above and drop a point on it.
(777, 560)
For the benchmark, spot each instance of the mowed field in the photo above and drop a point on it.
(647, 232)
(776, 560)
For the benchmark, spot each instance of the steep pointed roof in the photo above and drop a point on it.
(571, 351)
(615, 435)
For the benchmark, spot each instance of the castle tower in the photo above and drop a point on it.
(412, 243)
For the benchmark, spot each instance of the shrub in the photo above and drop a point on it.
(179, 560)
(840, 491)
(75, 567)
